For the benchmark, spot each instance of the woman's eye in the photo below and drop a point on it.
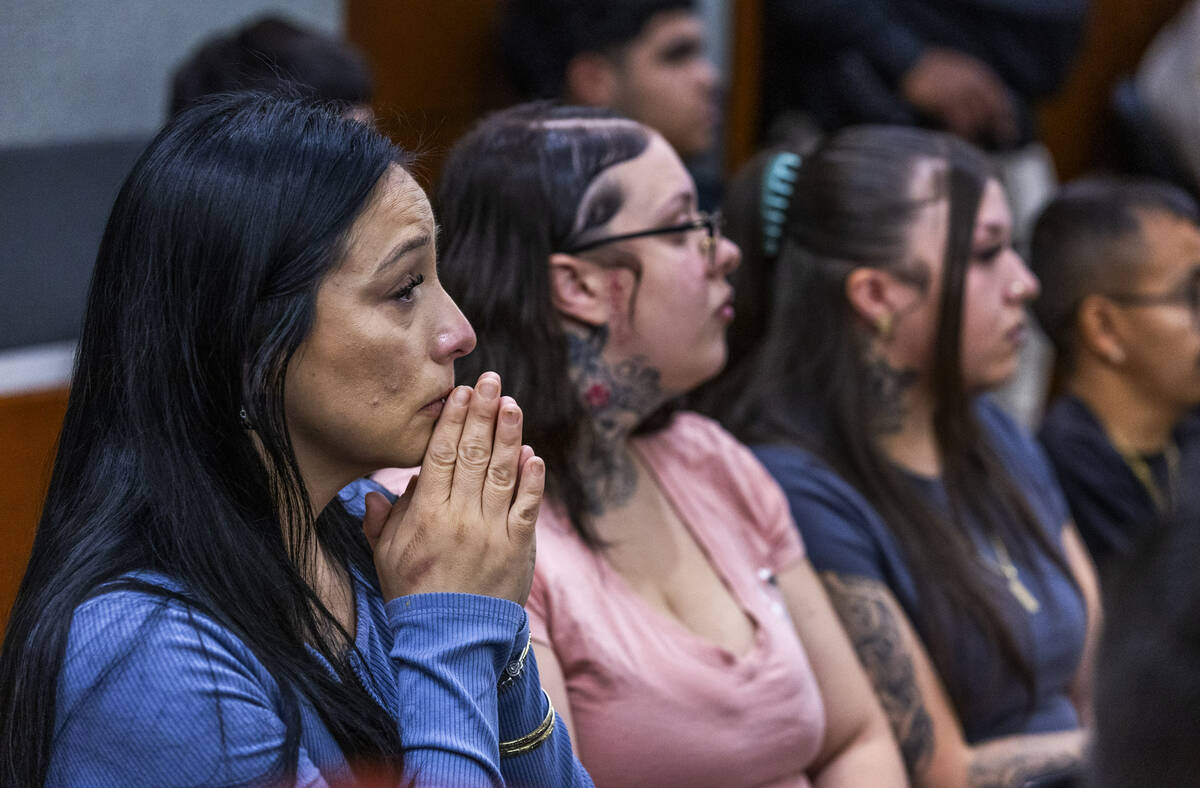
(405, 293)
(988, 255)
(682, 236)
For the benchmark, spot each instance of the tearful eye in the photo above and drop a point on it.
(404, 294)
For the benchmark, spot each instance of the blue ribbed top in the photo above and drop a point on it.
(153, 693)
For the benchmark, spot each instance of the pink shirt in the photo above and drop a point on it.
(654, 703)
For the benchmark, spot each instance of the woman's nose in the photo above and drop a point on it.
(726, 257)
(455, 337)
(1025, 285)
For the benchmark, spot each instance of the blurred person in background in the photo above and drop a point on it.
(272, 53)
(1168, 83)
(1148, 665)
(1119, 261)
(974, 68)
(645, 59)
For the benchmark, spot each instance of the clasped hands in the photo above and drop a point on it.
(466, 522)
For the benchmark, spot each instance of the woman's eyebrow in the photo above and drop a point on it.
(403, 248)
(684, 200)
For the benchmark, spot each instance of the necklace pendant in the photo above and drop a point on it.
(1024, 595)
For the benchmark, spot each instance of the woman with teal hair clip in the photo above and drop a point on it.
(891, 301)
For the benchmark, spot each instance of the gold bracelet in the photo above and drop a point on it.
(531, 741)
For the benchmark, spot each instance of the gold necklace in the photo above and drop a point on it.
(1140, 469)
(1008, 570)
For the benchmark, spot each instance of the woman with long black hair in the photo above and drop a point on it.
(896, 300)
(678, 625)
(264, 326)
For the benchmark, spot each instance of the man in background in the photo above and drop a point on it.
(1119, 262)
(642, 58)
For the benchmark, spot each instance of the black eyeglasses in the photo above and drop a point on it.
(709, 222)
(1187, 294)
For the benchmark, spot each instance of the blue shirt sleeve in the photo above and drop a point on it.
(451, 716)
(425, 651)
(354, 495)
(152, 693)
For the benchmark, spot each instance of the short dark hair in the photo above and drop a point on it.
(271, 52)
(538, 38)
(1088, 239)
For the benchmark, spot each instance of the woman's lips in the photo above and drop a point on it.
(434, 406)
(1018, 334)
(725, 311)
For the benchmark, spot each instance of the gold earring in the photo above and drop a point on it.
(883, 326)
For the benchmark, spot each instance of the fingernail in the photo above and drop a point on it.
(461, 395)
(511, 416)
(488, 387)
(537, 466)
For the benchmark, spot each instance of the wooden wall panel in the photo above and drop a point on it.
(436, 69)
(742, 105)
(1075, 123)
(29, 427)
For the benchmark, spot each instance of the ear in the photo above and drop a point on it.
(577, 290)
(591, 80)
(1098, 327)
(867, 291)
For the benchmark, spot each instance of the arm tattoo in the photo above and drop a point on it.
(618, 397)
(1011, 763)
(868, 618)
(886, 386)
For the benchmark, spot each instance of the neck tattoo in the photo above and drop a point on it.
(619, 397)
(886, 387)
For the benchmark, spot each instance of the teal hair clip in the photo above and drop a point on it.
(779, 180)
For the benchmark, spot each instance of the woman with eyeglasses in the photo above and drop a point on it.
(679, 629)
(896, 302)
